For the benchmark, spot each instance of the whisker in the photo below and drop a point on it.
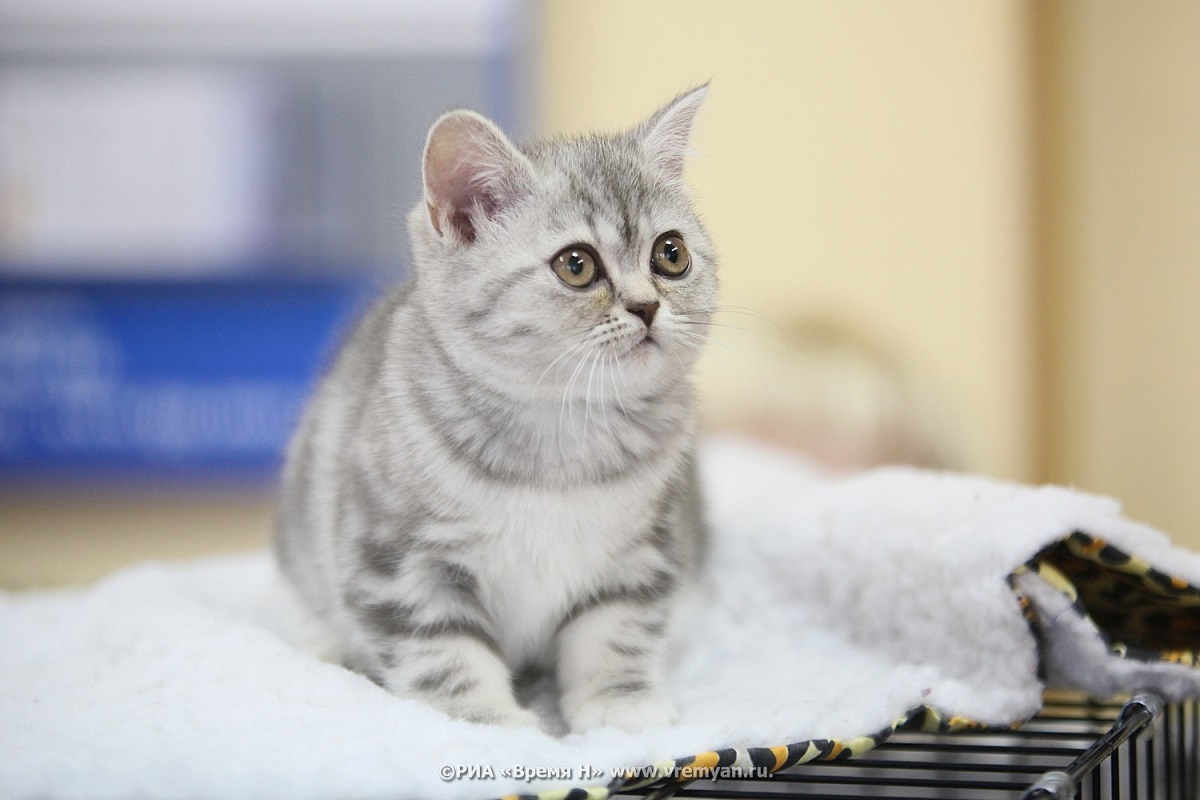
(563, 355)
(566, 395)
(715, 341)
(776, 342)
(616, 392)
(744, 311)
(683, 367)
(602, 361)
(698, 346)
(727, 347)
(587, 414)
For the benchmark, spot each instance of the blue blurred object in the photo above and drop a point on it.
(161, 380)
(194, 200)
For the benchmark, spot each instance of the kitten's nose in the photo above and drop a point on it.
(644, 310)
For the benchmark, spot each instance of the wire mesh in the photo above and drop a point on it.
(1080, 748)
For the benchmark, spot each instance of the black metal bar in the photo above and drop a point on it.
(906, 783)
(988, 749)
(1114, 772)
(914, 766)
(667, 791)
(957, 766)
(1173, 776)
(1135, 782)
(1139, 712)
(1152, 776)
(741, 795)
(1175, 742)
(1193, 745)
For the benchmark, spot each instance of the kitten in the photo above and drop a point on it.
(499, 472)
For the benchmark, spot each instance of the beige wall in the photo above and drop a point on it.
(1121, 254)
(1006, 194)
(863, 160)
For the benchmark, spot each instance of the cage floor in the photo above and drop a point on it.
(1076, 748)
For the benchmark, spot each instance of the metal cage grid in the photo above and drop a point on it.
(1138, 747)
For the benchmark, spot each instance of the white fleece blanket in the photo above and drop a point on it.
(833, 607)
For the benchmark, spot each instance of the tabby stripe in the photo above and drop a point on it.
(394, 620)
(644, 594)
(626, 687)
(498, 299)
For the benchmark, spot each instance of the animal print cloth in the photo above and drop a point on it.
(1137, 610)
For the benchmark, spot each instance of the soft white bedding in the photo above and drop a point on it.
(833, 607)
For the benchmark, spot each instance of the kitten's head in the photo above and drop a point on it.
(571, 267)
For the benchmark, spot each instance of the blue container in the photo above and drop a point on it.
(145, 381)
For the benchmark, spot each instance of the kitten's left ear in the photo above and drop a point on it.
(665, 135)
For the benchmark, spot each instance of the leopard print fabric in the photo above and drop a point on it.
(1139, 611)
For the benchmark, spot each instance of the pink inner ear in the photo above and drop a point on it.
(461, 221)
(471, 173)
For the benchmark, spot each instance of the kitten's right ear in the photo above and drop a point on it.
(472, 173)
(665, 135)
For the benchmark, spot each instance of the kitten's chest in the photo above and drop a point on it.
(544, 551)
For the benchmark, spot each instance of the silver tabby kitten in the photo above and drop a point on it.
(499, 470)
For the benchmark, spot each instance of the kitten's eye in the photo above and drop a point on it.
(670, 257)
(576, 267)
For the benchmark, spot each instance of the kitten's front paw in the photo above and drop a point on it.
(502, 711)
(517, 718)
(629, 712)
(499, 710)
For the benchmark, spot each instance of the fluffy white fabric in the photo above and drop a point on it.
(833, 607)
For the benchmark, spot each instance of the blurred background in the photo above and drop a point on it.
(960, 235)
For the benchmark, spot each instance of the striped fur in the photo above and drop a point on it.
(498, 471)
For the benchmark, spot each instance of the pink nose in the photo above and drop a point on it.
(645, 311)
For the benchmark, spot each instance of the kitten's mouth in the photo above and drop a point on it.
(645, 343)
